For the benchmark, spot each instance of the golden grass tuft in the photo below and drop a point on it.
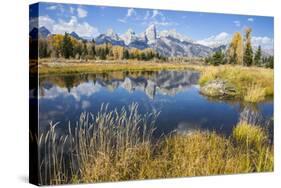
(255, 93)
(96, 145)
(260, 80)
(251, 135)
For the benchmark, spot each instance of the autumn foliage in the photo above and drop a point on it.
(68, 47)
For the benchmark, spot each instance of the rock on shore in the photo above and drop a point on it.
(218, 88)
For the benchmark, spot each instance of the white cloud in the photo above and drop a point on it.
(53, 7)
(160, 23)
(222, 38)
(121, 20)
(56, 7)
(84, 89)
(131, 12)
(156, 13)
(237, 23)
(149, 17)
(156, 17)
(81, 13)
(251, 19)
(46, 21)
(82, 29)
(265, 42)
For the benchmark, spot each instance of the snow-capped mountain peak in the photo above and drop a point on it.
(173, 33)
(151, 34)
(129, 36)
(112, 34)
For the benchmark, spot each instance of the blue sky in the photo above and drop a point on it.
(89, 21)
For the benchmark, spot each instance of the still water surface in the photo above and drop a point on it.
(175, 94)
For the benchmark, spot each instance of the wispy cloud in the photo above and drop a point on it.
(81, 13)
(237, 23)
(58, 7)
(130, 13)
(53, 7)
(156, 17)
(147, 14)
(122, 20)
(156, 13)
(251, 19)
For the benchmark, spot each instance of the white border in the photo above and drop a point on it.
(14, 90)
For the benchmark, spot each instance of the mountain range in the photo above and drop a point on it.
(167, 42)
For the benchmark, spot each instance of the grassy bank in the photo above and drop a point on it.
(47, 67)
(253, 84)
(112, 146)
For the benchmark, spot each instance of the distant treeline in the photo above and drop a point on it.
(66, 46)
(241, 52)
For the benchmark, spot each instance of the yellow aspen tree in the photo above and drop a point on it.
(235, 51)
(56, 42)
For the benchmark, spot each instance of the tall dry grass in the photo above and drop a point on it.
(95, 139)
(113, 146)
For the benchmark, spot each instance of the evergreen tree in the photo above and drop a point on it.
(268, 62)
(216, 59)
(43, 50)
(102, 53)
(142, 56)
(248, 54)
(93, 48)
(126, 54)
(106, 48)
(67, 47)
(85, 50)
(78, 50)
(257, 58)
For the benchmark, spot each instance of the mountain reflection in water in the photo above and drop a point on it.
(174, 93)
